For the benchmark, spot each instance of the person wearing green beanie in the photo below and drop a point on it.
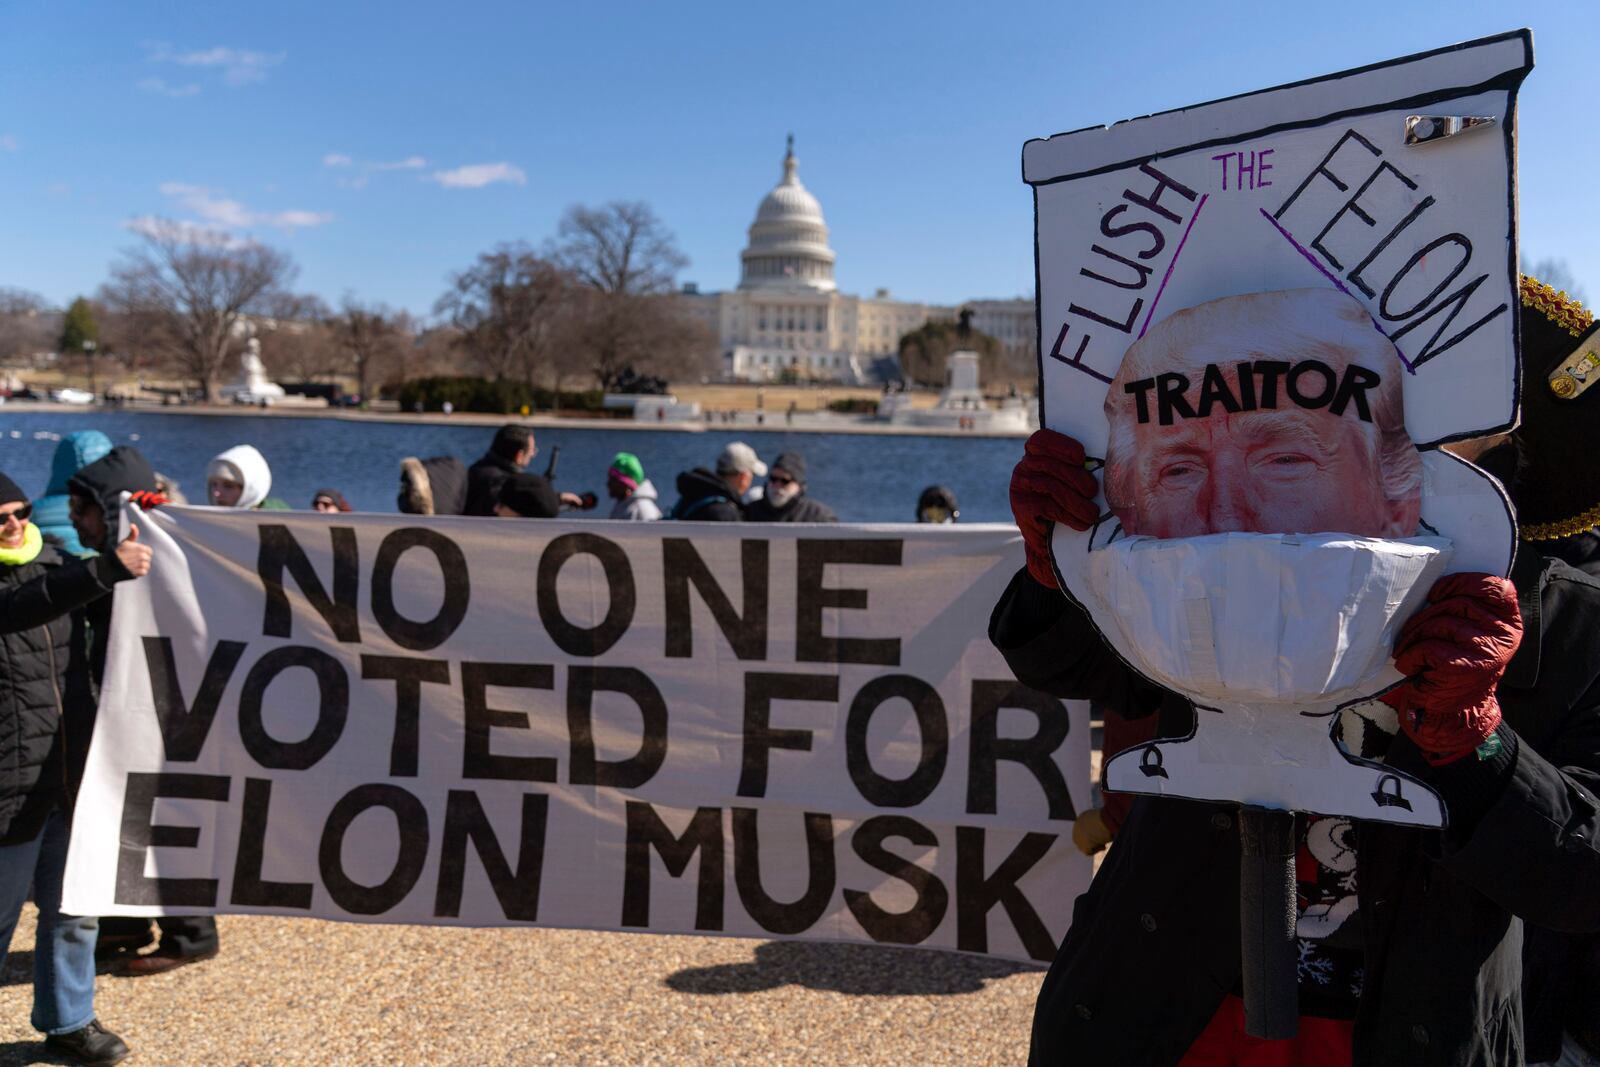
(635, 496)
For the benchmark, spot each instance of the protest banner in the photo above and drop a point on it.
(1261, 317)
(746, 730)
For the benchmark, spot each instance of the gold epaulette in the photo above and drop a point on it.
(1555, 305)
(1555, 531)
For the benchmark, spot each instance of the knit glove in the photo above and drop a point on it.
(1050, 485)
(1090, 833)
(148, 500)
(1453, 652)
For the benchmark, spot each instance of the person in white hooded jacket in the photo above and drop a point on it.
(240, 478)
(635, 496)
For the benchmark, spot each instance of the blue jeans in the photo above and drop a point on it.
(63, 947)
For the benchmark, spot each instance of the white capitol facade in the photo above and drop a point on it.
(788, 319)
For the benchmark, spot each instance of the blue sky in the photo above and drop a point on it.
(384, 145)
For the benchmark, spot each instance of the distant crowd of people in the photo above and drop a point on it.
(499, 484)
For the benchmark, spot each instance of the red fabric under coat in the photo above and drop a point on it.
(1223, 1043)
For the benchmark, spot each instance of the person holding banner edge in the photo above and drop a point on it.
(43, 690)
(96, 493)
(1440, 911)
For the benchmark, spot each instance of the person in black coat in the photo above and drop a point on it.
(510, 453)
(1557, 496)
(1152, 956)
(785, 499)
(433, 486)
(45, 695)
(527, 496)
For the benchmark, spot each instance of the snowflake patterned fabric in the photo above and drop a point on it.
(1328, 925)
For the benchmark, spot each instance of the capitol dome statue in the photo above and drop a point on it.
(788, 246)
(787, 320)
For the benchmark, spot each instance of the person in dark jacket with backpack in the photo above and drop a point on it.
(1509, 739)
(44, 691)
(720, 497)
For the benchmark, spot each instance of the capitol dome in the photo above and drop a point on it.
(789, 240)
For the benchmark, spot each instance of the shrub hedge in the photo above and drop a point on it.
(492, 397)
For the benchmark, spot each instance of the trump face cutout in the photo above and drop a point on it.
(1276, 412)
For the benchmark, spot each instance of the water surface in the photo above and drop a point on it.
(864, 477)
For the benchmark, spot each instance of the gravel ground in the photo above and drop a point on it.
(301, 991)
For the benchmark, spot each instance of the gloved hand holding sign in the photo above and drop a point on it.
(1051, 485)
(1453, 652)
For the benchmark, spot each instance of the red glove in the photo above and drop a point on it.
(1051, 485)
(1453, 653)
(148, 500)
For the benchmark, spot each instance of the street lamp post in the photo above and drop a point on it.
(88, 351)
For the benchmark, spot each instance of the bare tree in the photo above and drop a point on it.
(627, 262)
(372, 336)
(297, 342)
(621, 248)
(27, 325)
(197, 284)
(506, 307)
(431, 352)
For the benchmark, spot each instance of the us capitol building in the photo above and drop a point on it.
(788, 316)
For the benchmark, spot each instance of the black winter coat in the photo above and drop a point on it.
(44, 681)
(484, 479)
(1561, 981)
(1154, 943)
(704, 497)
(801, 509)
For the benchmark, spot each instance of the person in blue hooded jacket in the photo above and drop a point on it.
(75, 452)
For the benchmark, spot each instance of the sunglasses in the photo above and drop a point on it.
(778, 479)
(21, 514)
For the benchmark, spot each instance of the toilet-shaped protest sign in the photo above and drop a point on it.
(1262, 317)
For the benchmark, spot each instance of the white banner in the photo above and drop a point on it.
(680, 728)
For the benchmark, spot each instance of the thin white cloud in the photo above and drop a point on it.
(231, 214)
(161, 88)
(8, 142)
(161, 229)
(478, 175)
(198, 199)
(298, 220)
(239, 66)
(340, 161)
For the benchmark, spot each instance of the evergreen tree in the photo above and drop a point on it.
(77, 327)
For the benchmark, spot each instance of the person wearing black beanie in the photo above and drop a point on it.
(10, 492)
